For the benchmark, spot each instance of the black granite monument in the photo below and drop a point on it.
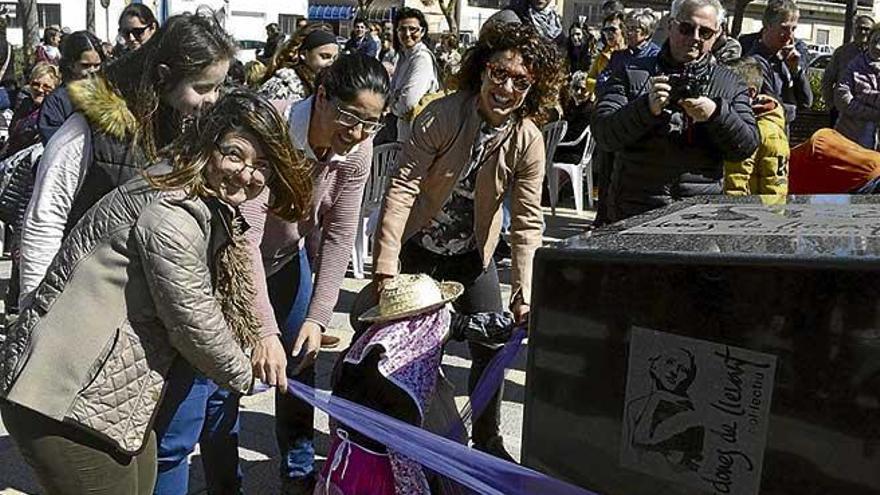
(718, 346)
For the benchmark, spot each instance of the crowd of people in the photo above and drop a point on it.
(182, 222)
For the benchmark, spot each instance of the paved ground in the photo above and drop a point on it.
(258, 451)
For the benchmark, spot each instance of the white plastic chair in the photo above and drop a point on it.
(384, 160)
(576, 172)
(553, 134)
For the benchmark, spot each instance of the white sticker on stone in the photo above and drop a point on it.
(697, 412)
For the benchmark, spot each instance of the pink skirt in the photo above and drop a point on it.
(354, 470)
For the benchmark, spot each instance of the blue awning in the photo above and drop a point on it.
(331, 12)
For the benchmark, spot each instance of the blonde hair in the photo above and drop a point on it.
(254, 72)
(46, 69)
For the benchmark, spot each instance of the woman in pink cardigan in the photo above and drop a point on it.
(334, 129)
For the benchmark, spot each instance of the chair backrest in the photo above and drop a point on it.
(553, 134)
(384, 161)
(589, 147)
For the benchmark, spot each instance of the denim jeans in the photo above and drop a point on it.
(290, 292)
(195, 410)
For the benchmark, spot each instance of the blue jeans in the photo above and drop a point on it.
(290, 291)
(195, 410)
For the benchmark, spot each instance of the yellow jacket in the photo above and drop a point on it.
(766, 171)
(599, 63)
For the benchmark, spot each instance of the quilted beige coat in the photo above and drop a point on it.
(130, 291)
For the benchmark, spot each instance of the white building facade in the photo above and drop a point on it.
(244, 19)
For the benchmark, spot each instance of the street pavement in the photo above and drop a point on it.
(258, 452)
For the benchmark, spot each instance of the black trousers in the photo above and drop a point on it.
(482, 293)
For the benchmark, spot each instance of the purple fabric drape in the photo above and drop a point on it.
(471, 468)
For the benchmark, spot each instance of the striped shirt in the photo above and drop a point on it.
(328, 232)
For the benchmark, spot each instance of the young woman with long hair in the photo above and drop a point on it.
(156, 273)
(137, 25)
(293, 69)
(123, 116)
(81, 56)
(416, 72)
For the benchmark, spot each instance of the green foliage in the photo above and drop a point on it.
(819, 103)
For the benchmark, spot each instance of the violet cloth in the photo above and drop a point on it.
(411, 351)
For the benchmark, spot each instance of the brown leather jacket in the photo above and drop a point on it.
(429, 167)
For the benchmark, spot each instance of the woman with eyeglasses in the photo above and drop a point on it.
(23, 131)
(137, 25)
(416, 72)
(614, 39)
(156, 273)
(81, 56)
(293, 69)
(442, 211)
(333, 128)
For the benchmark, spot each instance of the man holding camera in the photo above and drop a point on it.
(672, 120)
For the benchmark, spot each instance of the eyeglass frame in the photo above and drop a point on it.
(409, 29)
(371, 131)
(48, 88)
(490, 68)
(694, 28)
(265, 171)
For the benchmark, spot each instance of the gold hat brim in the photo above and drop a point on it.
(448, 290)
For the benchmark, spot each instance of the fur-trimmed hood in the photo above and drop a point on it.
(103, 107)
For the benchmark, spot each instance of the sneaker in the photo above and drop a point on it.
(495, 447)
(298, 486)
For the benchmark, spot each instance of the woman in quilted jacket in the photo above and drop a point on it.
(157, 271)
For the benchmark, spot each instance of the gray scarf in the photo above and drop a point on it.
(546, 21)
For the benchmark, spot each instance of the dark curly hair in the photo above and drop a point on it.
(540, 58)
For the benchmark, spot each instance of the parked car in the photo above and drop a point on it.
(248, 50)
(817, 65)
(817, 50)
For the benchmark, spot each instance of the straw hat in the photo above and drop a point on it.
(409, 295)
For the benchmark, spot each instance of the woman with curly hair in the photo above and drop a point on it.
(442, 212)
(155, 276)
(293, 69)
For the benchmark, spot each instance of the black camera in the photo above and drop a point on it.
(690, 83)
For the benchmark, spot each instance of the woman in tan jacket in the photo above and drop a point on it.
(442, 211)
(156, 273)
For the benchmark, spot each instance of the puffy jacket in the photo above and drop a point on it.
(130, 291)
(659, 159)
(857, 98)
(765, 172)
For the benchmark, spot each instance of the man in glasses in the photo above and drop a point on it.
(671, 120)
(783, 64)
(842, 56)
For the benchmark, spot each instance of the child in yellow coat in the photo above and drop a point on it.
(766, 171)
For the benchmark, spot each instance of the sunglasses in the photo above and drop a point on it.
(688, 29)
(136, 32)
(46, 88)
(499, 75)
(350, 121)
(408, 30)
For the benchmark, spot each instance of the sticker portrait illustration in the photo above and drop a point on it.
(696, 412)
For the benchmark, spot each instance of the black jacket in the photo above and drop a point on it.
(664, 158)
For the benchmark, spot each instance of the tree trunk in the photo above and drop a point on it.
(90, 16)
(27, 15)
(448, 9)
(363, 5)
(849, 20)
(739, 11)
